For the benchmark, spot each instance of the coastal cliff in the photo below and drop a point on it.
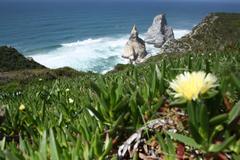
(14, 67)
(216, 32)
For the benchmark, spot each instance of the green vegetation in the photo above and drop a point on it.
(88, 116)
(76, 117)
(18, 79)
(12, 60)
(217, 31)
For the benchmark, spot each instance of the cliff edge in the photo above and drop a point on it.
(12, 60)
(216, 32)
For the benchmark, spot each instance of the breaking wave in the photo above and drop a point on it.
(97, 55)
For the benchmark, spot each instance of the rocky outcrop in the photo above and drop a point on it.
(135, 49)
(216, 32)
(159, 32)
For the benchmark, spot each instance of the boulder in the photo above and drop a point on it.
(159, 32)
(135, 49)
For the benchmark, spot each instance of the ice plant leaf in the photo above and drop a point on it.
(222, 146)
(107, 147)
(3, 143)
(96, 113)
(184, 139)
(10, 156)
(204, 122)
(178, 102)
(218, 119)
(43, 147)
(162, 143)
(236, 81)
(53, 147)
(234, 113)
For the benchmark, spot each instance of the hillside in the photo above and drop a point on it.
(12, 60)
(216, 32)
(17, 70)
(131, 112)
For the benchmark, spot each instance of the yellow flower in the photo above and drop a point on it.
(21, 107)
(70, 100)
(190, 85)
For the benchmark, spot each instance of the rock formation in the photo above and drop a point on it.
(159, 32)
(135, 49)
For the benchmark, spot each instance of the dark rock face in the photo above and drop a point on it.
(159, 32)
(12, 60)
(135, 49)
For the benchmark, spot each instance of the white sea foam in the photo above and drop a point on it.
(97, 55)
(178, 33)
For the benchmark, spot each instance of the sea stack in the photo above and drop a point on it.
(159, 32)
(135, 49)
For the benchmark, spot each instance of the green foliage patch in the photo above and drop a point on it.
(89, 116)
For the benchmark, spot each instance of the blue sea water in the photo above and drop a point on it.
(90, 36)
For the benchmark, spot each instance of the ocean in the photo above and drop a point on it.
(90, 36)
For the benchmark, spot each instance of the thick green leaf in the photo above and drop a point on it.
(171, 148)
(184, 139)
(117, 122)
(107, 148)
(153, 83)
(218, 119)
(162, 143)
(86, 151)
(236, 156)
(159, 74)
(191, 113)
(195, 133)
(190, 62)
(3, 143)
(236, 81)
(178, 102)
(204, 122)
(95, 87)
(96, 113)
(167, 147)
(97, 146)
(10, 156)
(43, 147)
(53, 147)
(234, 113)
(23, 146)
(220, 147)
(123, 102)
